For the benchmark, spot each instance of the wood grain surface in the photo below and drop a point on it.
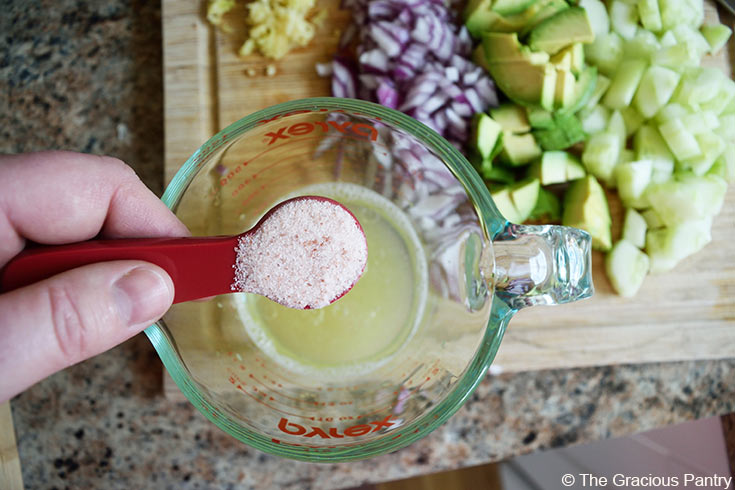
(685, 314)
(10, 474)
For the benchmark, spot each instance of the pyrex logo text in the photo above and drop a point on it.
(295, 429)
(299, 129)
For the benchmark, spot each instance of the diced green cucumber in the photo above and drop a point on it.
(624, 18)
(626, 267)
(667, 246)
(616, 126)
(663, 169)
(633, 120)
(625, 82)
(681, 142)
(700, 122)
(724, 166)
(643, 46)
(597, 14)
(548, 207)
(653, 220)
(675, 12)
(649, 144)
(670, 111)
(650, 15)
(595, 119)
(686, 34)
(632, 180)
(677, 57)
(487, 135)
(634, 228)
(698, 85)
(726, 130)
(716, 36)
(688, 198)
(556, 167)
(712, 147)
(511, 117)
(585, 207)
(605, 52)
(601, 154)
(655, 89)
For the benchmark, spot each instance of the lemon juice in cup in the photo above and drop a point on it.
(401, 352)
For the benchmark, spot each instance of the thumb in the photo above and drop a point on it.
(75, 315)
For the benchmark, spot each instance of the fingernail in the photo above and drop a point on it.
(142, 295)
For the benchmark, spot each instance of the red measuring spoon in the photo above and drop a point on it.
(200, 267)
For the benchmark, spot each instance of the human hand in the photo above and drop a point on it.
(64, 197)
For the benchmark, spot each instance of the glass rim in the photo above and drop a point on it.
(491, 220)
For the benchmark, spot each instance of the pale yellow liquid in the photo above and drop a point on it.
(370, 323)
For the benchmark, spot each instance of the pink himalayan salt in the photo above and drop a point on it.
(305, 254)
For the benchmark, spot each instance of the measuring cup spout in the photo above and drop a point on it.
(542, 265)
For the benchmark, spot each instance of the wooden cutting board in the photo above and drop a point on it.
(686, 314)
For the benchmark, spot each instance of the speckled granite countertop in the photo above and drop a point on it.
(86, 76)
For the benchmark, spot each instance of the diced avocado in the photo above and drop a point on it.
(504, 47)
(570, 58)
(548, 207)
(585, 207)
(560, 30)
(511, 7)
(556, 167)
(485, 19)
(562, 60)
(519, 149)
(477, 16)
(486, 136)
(511, 117)
(525, 195)
(566, 131)
(543, 11)
(565, 86)
(540, 118)
(499, 175)
(584, 89)
(478, 57)
(504, 203)
(525, 83)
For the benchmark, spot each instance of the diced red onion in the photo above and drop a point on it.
(413, 55)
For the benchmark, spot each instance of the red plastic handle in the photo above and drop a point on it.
(199, 267)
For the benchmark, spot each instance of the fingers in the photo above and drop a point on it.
(75, 315)
(63, 197)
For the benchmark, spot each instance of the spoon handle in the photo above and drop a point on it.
(199, 266)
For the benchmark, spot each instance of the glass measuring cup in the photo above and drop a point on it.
(401, 352)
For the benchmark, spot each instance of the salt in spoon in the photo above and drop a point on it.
(304, 253)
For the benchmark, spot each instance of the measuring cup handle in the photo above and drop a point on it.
(542, 265)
